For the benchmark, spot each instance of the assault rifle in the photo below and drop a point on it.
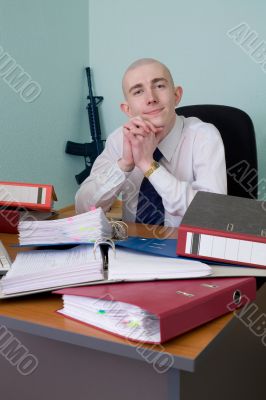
(89, 151)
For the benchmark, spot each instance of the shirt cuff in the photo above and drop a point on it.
(124, 173)
(160, 180)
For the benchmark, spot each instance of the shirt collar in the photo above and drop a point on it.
(168, 145)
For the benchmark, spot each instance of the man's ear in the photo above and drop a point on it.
(178, 94)
(124, 107)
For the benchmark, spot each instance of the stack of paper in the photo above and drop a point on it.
(45, 269)
(128, 265)
(114, 316)
(82, 228)
(40, 270)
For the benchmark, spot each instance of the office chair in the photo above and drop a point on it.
(238, 135)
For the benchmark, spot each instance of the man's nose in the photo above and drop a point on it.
(151, 97)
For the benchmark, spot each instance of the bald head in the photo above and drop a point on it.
(140, 63)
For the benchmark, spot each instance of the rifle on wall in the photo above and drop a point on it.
(89, 151)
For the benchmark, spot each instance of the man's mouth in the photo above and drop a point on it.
(154, 112)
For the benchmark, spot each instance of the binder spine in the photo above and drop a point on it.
(218, 303)
(221, 246)
(181, 241)
(225, 234)
(44, 201)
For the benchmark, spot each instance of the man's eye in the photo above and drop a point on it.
(160, 85)
(137, 92)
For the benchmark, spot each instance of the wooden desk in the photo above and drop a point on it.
(79, 362)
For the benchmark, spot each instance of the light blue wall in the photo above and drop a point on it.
(49, 40)
(53, 40)
(191, 38)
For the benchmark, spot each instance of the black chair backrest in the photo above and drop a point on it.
(238, 135)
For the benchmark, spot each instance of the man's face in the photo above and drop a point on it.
(151, 95)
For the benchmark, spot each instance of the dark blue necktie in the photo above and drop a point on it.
(150, 209)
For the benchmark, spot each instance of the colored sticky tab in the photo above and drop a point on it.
(101, 311)
(133, 324)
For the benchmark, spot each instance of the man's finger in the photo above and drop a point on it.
(138, 122)
(136, 131)
(152, 128)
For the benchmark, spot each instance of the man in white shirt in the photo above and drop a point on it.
(157, 160)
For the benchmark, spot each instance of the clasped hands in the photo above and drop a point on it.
(140, 139)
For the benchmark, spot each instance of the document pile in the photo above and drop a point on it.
(83, 228)
(44, 270)
(39, 270)
(156, 311)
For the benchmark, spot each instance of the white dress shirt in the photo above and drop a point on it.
(193, 159)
